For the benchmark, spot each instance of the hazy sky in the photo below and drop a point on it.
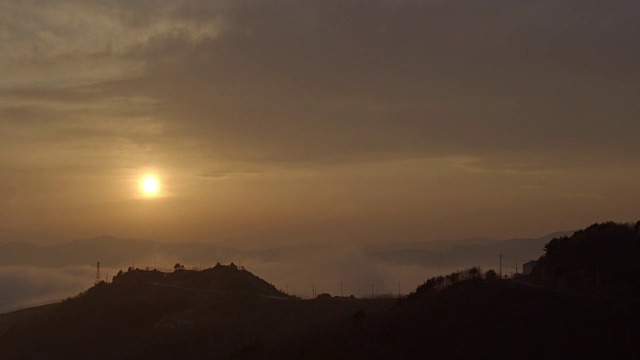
(275, 122)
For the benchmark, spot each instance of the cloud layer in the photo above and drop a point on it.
(279, 119)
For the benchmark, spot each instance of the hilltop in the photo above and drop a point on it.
(220, 279)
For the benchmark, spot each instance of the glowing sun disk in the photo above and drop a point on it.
(149, 185)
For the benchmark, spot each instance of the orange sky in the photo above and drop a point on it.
(278, 122)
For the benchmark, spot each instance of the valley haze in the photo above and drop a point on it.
(39, 274)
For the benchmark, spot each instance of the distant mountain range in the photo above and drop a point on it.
(473, 252)
(107, 249)
(116, 252)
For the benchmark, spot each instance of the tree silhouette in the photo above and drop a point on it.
(599, 259)
(491, 275)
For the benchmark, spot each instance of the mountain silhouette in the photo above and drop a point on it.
(228, 313)
(560, 311)
(482, 252)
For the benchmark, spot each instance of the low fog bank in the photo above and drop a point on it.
(346, 272)
(339, 272)
(27, 286)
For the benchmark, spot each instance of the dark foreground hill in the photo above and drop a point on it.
(170, 316)
(599, 260)
(490, 319)
(223, 312)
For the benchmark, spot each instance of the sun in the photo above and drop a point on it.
(149, 185)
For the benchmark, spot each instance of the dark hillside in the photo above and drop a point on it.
(502, 318)
(223, 312)
(600, 260)
(138, 318)
(480, 319)
(8, 320)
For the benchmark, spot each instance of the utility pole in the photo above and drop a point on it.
(155, 257)
(372, 291)
(500, 266)
(340, 289)
(98, 279)
(398, 290)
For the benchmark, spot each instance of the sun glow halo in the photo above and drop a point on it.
(149, 185)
